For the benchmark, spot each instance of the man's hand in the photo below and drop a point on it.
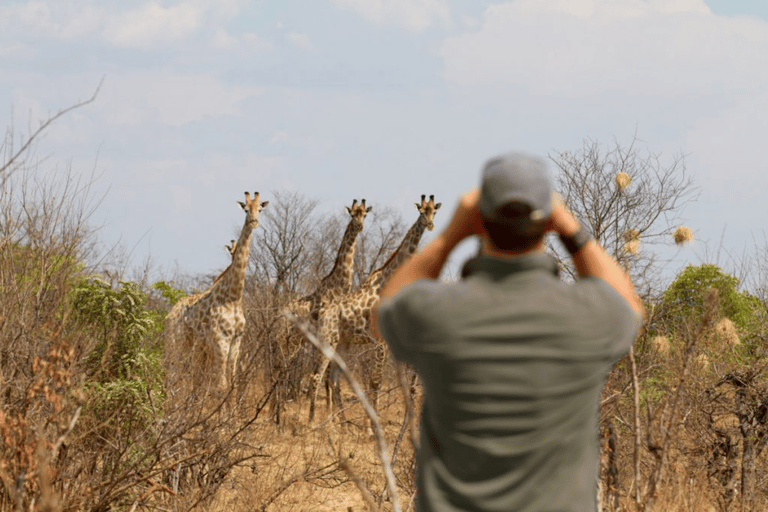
(466, 219)
(561, 221)
(592, 260)
(429, 261)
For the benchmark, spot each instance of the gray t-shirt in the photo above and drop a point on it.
(512, 361)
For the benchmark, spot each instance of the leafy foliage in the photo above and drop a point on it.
(120, 320)
(684, 299)
(169, 292)
(125, 370)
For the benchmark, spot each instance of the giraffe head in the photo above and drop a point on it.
(427, 210)
(358, 211)
(252, 208)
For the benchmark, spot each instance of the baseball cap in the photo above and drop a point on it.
(516, 178)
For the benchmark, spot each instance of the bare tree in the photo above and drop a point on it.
(19, 158)
(628, 198)
(282, 252)
(45, 240)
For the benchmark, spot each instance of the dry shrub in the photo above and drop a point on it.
(703, 361)
(660, 345)
(699, 442)
(726, 331)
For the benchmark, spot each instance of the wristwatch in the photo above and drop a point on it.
(577, 240)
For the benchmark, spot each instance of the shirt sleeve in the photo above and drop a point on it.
(616, 314)
(397, 321)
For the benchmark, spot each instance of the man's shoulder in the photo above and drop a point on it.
(424, 302)
(422, 289)
(601, 300)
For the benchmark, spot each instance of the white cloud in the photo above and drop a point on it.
(34, 16)
(172, 99)
(19, 51)
(301, 41)
(137, 24)
(250, 42)
(414, 15)
(152, 24)
(278, 137)
(730, 147)
(657, 48)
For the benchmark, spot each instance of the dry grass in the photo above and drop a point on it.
(660, 345)
(726, 332)
(236, 458)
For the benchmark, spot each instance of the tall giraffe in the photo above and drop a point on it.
(347, 321)
(339, 281)
(212, 323)
(332, 286)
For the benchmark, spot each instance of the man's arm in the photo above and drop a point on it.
(429, 261)
(592, 260)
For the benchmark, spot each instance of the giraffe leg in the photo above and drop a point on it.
(376, 376)
(330, 385)
(329, 333)
(333, 384)
(315, 387)
(220, 364)
(233, 357)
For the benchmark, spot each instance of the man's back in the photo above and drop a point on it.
(512, 361)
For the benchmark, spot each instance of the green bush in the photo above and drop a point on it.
(684, 299)
(169, 292)
(124, 368)
(121, 322)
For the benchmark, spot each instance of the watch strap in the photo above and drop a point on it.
(577, 240)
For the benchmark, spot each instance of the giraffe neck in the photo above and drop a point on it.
(404, 251)
(340, 277)
(231, 283)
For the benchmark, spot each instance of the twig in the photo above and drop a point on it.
(667, 425)
(381, 442)
(62, 437)
(367, 497)
(6, 166)
(636, 406)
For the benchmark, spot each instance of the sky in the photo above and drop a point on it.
(202, 100)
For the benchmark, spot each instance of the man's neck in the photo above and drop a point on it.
(487, 248)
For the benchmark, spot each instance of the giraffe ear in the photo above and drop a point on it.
(349, 211)
(418, 206)
(242, 204)
(437, 206)
(367, 210)
(264, 204)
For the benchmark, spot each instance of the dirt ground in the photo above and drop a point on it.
(302, 467)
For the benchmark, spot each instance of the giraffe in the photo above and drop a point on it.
(231, 247)
(347, 320)
(339, 281)
(332, 286)
(212, 323)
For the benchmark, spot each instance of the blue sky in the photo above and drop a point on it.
(383, 99)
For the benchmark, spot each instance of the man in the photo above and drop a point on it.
(512, 360)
